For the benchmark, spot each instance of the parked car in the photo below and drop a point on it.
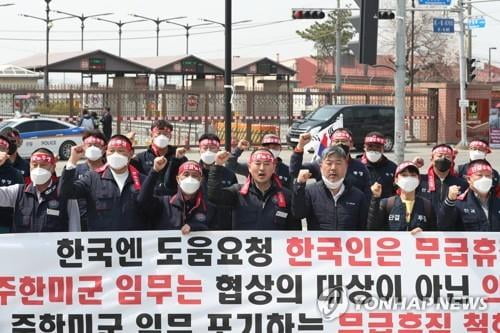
(359, 119)
(55, 135)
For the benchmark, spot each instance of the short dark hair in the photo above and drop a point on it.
(333, 150)
(93, 114)
(122, 137)
(209, 136)
(442, 145)
(12, 144)
(342, 129)
(161, 123)
(107, 108)
(44, 150)
(85, 111)
(94, 133)
(377, 134)
(11, 132)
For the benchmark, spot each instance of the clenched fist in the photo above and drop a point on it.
(221, 157)
(243, 145)
(77, 153)
(180, 152)
(3, 157)
(376, 190)
(159, 163)
(453, 192)
(304, 139)
(304, 175)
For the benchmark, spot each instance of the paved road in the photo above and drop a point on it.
(411, 152)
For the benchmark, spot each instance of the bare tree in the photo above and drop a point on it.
(433, 52)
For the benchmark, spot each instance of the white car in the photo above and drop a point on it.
(54, 135)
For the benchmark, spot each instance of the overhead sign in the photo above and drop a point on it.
(476, 22)
(443, 25)
(435, 2)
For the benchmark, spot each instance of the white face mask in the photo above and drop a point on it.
(189, 185)
(408, 183)
(332, 185)
(373, 156)
(208, 157)
(483, 184)
(161, 141)
(276, 153)
(117, 161)
(477, 155)
(93, 153)
(40, 176)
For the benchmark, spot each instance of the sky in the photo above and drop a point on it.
(258, 38)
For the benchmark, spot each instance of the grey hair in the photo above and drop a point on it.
(336, 151)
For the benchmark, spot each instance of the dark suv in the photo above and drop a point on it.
(360, 119)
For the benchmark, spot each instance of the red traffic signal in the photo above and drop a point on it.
(298, 14)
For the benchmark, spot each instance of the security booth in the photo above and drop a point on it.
(122, 73)
(262, 102)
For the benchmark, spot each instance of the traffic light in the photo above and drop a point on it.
(386, 15)
(471, 68)
(367, 26)
(315, 14)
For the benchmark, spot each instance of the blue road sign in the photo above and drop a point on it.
(476, 22)
(443, 25)
(435, 2)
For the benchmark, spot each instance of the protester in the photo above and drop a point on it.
(380, 167)
(111, 191)
(262, 203)
(38, 207)
(94, 145)
(271, 142)
(331, 203)
(186, 210)
(476, 208)
(357, 173)
(8, 176)
(17, 161)
(161, 134)
(440, 176)
(478, 149)
(405, 211)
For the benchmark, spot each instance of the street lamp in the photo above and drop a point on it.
(489, 62)
(187, 27)
(48, 25)
(227, 25)
(120, 24)
(157, 21)
(82, 19)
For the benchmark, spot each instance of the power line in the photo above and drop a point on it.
(486, 14)
(243, 26)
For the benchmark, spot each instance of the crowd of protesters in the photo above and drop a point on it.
(105, 186)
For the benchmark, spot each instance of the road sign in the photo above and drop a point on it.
(435, 2)
(444, 25)
(476, 22)
(463, 103)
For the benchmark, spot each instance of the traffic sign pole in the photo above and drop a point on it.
(463, 110)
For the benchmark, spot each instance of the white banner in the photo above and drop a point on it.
(161, 281)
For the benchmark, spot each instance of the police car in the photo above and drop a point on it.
(57, 136)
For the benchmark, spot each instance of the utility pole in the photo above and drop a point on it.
(463, 103)
(338, 64)
(399, 80)
(411, 135)
(228, 88)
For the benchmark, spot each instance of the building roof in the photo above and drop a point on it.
(177, 65)
(256, 66)
(96, 61)
(13, 71)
